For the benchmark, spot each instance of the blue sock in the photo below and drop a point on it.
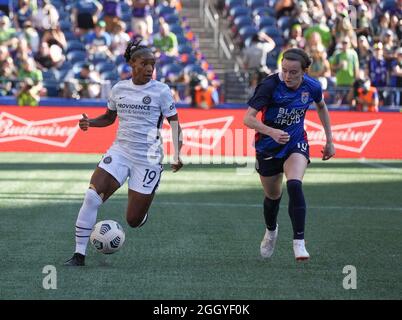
(297, 208)
(271, 209)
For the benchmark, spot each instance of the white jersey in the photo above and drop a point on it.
(141, 110)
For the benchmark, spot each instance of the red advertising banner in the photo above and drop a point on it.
(206, 132)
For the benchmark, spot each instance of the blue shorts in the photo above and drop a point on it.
(268, 166)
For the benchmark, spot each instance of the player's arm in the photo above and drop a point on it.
(329, 149)
(251, 121)
(177, 139)
(103, 120)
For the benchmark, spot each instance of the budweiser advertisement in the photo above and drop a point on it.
(211, 132)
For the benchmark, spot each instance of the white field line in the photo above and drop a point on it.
(218, 204)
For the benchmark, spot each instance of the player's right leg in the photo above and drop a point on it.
(106, 179)
(271, 176)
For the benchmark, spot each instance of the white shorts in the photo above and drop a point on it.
(143, 178)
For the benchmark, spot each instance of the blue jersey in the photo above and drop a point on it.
(283, 108)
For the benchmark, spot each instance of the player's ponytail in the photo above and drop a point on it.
(134, 48)
(297, 54)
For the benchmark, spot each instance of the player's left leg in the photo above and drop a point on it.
(142, 184)
(294, 168)
(137, 208)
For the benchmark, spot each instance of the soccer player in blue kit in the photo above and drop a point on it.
(281, 143)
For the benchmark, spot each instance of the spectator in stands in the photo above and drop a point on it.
(84, 84)
(302, 15)
(296, 33)
(345, 64)
(8, 72)
(364, 52)
(48, 58)
(320, 67)
(165, 41)
(381, 26)
(55, 36)
(378, 67)
(396, 75)
(31, 35)
(206, 96)
(99, 41)
(255, 57)
(367, 98)
(344, 29)
(28, 70)
(22, 52)
(141, 11)
(28, 95)
(322, 29)
(141, 32)
(23, 13)
(85, 15)
(389, 46)
(111, 14)
(119, 39)
(46, 16)
(314, 41)
(7, 33)
(363, 20)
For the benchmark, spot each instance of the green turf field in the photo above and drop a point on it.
(202, 238)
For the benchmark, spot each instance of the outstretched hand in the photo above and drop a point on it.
(328, 151)
(84, 122)
(176, 166)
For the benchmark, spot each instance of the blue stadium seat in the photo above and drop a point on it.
(193, 68)
(272, 31)
(264, 11)
(162, 10)
(120, 59)
(181, 39)
(104, 66)
(76, 56)
(70, 35)
(239, 11)
(65, 25)
(253, 4)
(266, 21)
(229, 4)
(284, 23)
(171, 68)
(75, 45)
(242, 21)
(172, 18)
(279, 42)
(110, 75)
(185, 49)
(176, 29)
(247, 31)
(165, 59)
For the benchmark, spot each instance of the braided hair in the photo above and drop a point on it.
(296, 54)
(133, 49)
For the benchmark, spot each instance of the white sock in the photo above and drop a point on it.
(86, 220)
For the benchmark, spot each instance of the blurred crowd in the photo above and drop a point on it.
(74, 49)
(355, 45)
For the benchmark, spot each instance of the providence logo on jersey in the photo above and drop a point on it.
(305, 96)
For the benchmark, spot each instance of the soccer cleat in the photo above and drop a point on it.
(77, 260)
(300, 250)
(268, 243)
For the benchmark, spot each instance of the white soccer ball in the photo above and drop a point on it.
(107, 236)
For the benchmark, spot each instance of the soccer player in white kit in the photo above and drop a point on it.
(141, 104)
